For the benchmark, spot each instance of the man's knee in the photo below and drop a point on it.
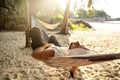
(53, 40)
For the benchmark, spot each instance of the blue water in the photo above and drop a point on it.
(107, 25)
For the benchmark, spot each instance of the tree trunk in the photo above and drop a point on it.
(27, 25)
(64, 29)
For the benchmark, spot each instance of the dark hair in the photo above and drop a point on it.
(36, 37)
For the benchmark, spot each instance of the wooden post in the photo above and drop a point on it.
(28, 26)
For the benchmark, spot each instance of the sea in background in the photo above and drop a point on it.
(106, 25)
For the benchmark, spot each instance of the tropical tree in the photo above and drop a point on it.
(27, 24)
(81, 13)
(91, 13)
(64, 29)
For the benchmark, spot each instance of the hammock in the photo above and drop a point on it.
(38, 22)
(80, 60)
(48, 26)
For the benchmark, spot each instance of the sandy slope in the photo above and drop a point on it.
(16, 62)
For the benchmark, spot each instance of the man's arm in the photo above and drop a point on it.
(41, 52)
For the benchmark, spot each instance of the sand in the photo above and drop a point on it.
(16, 62)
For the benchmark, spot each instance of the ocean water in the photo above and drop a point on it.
(107, 25)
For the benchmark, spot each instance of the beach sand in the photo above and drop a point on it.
(16, 62)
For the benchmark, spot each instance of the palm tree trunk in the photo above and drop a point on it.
(27, 25)
(64, 29)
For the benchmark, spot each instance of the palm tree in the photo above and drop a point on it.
(64, 29)
(27, 25)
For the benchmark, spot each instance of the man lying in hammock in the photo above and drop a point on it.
(44, 49)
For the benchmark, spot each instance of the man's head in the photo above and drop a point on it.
(74, 45)
(77, 45)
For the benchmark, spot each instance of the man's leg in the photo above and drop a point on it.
(53, 40)
(37, 38)
(35, 23)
